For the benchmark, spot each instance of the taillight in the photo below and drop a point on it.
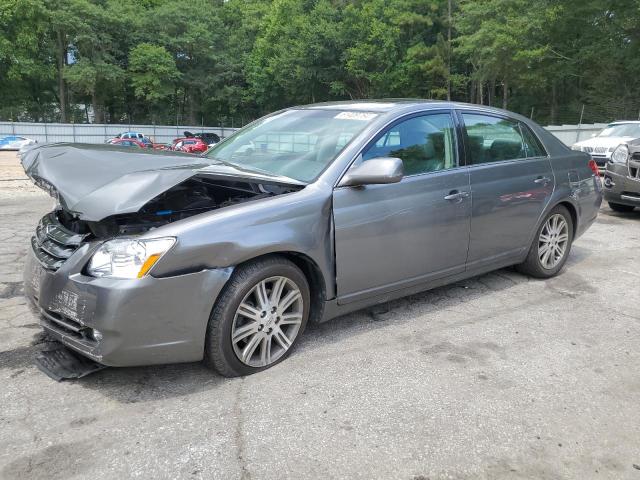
(594, 167)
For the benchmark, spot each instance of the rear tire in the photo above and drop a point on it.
(258, 317)
(618, 207)
(551, 245)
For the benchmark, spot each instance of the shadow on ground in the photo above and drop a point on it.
(141, 384)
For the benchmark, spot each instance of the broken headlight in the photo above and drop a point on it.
(620, 154)
(128, 258)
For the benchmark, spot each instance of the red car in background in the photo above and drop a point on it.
(190, 145)
(127, 142)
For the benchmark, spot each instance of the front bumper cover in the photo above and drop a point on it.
(620, 187)
(139, 322)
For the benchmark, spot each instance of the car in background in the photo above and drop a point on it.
(163, 146)
(175, 144)
(127, 142)
(341, 206)
(622, 177)
(602, 145)
(209, 138)
(15, 142)
(191, 145)
(139, 137)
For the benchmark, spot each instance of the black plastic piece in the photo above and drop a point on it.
(61, 363)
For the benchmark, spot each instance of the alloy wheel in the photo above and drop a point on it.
(553, 241)
(267, 321)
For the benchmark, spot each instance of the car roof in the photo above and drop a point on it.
(392, 104)
(624, 122)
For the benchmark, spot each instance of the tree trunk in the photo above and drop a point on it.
(491, 92)
(192, 110)
(97, 113)
(449, 50)
(61, 60)
(554, 104)
(481, 92)
(505, 94)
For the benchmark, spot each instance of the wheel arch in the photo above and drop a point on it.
(313, 274)
(572, 211)
(570, 206)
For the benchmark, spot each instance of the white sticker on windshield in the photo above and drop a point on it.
(356, 116)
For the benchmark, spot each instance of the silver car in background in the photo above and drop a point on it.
(622, 177)
(602, 145)
(304, 215)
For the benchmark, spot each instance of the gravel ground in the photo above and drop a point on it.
(13, 182)
(496, 377)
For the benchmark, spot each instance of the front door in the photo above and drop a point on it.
(511, 183)
(389, 237)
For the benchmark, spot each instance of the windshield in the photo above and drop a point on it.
(298, 144)
(622, 130)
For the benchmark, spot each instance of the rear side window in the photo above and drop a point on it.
(531, 144)
(493, 139)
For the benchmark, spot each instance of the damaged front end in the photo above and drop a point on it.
(102, 194)
(106, 193)
(62, 231)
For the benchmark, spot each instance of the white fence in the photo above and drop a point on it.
(570, 134)
(99, 133)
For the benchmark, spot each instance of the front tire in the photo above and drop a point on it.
(551, 245)
(617, 207)
(258, 317)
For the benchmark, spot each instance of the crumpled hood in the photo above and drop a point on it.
(97, 181)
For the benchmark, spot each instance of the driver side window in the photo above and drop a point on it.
(424, 144)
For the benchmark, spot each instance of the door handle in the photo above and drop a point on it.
(543, 180)
(456, 195)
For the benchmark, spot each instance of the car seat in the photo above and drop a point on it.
(505, 150)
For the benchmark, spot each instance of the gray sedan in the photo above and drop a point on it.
(304, 215)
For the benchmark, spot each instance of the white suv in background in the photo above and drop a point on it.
(602, 145)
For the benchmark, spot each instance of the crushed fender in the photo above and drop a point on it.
(61, 363)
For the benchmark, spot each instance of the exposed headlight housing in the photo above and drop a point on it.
(620, 154)
(128, 257)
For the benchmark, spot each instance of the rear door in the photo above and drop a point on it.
(511, 184)
(388, 237)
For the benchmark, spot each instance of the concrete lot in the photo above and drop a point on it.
(496, 377)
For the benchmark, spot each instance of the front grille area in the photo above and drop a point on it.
(600, 150)
(68, 327)
(53, 243)
(65, 324)
(634, 169)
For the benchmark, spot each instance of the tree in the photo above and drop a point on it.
(25, 75)
(96, 73)
(153, 73)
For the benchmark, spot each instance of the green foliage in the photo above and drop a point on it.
(153, 72)
(212, 60)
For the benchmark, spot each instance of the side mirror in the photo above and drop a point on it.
(376, 171)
